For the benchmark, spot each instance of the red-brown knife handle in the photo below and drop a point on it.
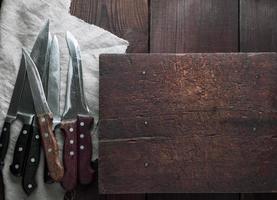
(69, 128)
(85, 171)
(50, 147)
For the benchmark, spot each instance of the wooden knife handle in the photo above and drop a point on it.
(4, 142)
(50, 147)
(21, 150)
(85, 171)
(69, 129)
(32, 162)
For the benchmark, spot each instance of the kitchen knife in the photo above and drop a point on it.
(53, 91)
(10, 118)
(26, 110)
(31, 161)
(12, 112)
(45, 120)
(76, 123)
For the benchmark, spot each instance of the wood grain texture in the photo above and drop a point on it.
(85, 172)
(70, 155)
(258, 30)
(214, 196)
(50, 146)
(262, 196)
(179, 26)
(125, 18)
(188, 123)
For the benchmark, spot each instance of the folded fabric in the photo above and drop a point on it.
(20, 22)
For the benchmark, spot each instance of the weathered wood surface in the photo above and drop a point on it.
(263, 196)
(193, 196)
(188, 123)
(193, 26)
(258, 30)
(125, 18)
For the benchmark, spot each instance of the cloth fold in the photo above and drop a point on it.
(20, 22)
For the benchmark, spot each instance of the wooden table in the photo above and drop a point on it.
(184, 26)
(180, 26)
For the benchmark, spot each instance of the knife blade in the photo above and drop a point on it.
(53, 91)
(26, 110)
(45, 120)
(76, 123)
(31, 161)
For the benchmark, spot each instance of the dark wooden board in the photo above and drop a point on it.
(199, 196)
(253, 196)
(194, 26)
(125, 197)
(125, 18)
(258, 30)
(188, 123)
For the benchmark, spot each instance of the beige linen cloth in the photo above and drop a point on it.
(20, 22)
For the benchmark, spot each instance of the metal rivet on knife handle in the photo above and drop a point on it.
(49, 142)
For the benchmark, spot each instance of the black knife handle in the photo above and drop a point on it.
(2, 187)
(4, 142)
(32, 162)
(21, 148)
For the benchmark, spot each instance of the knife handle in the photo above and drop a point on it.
(32, 163)
(20, 150)
(85, 171)
(50, 146)
(69, 129)
(4, 142)
(47, 177)
(2, 187)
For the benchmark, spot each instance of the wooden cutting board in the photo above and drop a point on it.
(175, 123)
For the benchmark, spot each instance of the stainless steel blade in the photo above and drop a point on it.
(40, 49)
(75, 102)
(39, 53)
(53, 91)
(45, 75)
(40, 102)
(17, 91)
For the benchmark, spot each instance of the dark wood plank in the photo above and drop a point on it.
(125, 18)
(194, 26)
(265, 196)
(199, 196)
(125, 197)
(188, 123)
(258, 30)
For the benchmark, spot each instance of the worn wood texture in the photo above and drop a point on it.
(125, 197)
(214, 196)
(125, 18)
(258, 30)
(265, 196)
(194, 26)
(188, 123)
